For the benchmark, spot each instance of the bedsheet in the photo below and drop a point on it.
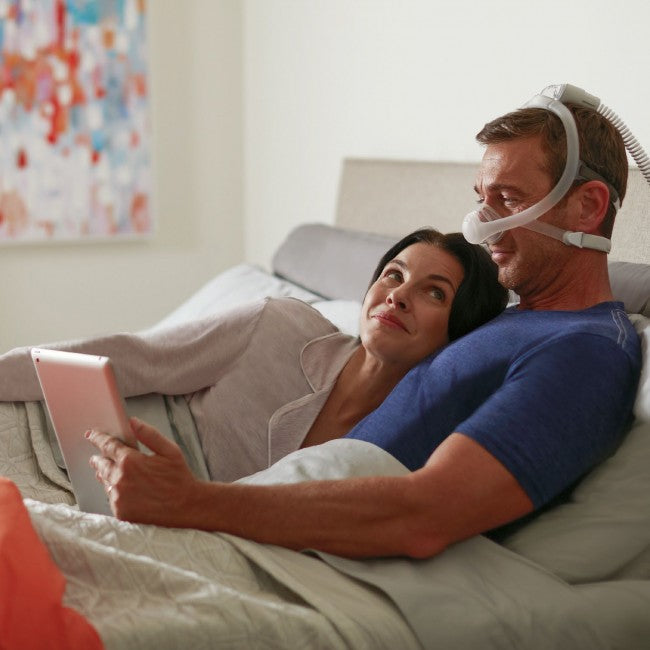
(153, 587)
(577, 576)
(150, 587)
(142, 586)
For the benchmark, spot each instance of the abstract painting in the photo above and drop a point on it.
(74, 121)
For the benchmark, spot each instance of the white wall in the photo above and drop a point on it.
(277, 92)
(326, 79)
(50, 292)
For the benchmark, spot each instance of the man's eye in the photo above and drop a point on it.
(510, 201)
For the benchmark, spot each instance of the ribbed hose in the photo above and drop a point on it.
(631, 143)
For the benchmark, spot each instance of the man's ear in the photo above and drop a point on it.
(594, 198)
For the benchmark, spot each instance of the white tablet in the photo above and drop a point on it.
(81, 394)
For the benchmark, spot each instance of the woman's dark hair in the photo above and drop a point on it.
(479, 298)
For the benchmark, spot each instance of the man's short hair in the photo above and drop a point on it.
(601, 145)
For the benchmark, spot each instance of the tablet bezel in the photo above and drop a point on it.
(81, 393)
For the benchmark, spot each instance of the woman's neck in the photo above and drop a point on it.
(362, 385)
(365, 381)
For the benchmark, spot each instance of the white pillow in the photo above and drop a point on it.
(631, 285)
(642, 404)
(602, 531)
(235, 286)
(345, 314)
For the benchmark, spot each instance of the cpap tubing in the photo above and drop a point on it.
(566, 93)
(476, 230)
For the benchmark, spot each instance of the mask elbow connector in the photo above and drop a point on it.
(569, 94)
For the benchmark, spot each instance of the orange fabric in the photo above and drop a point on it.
(32, 614)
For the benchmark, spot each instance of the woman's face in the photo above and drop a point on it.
(405, 313)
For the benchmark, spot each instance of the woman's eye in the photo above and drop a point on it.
(393, 275)
(436, 293)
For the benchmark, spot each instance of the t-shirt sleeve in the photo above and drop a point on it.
(561, 410)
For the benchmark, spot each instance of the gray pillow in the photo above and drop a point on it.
(333, 262)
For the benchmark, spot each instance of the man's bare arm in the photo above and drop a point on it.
(462, 491)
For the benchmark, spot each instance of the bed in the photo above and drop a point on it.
(577, 576)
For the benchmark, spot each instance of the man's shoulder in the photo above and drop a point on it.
(607, 319)
(599, 325)
(517, 333)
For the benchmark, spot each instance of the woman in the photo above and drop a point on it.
(265, 379)
(398, 328)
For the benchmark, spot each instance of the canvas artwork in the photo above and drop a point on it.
(74, 121)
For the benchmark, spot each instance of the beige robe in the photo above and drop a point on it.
(254, 377)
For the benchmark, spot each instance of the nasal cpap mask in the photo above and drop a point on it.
(487, 226)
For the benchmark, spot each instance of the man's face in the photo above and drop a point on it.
(511, 178)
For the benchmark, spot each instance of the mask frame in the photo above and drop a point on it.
(487, 226)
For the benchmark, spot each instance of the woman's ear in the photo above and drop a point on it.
(594, 197)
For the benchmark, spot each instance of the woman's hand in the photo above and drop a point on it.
(156, 488)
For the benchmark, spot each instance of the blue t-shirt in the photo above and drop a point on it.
(548, 393)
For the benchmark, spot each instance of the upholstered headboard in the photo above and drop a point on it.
(381, 200)
(395, 196)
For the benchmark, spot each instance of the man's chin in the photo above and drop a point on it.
(508, 278)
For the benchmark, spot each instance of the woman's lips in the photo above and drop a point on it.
(390, 319)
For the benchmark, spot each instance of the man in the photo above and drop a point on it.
(494, 426)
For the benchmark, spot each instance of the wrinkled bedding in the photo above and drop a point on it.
(144, 586)
(151, 587)
(576, 576)
(148, 587)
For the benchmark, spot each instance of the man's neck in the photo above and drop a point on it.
(585, 285)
